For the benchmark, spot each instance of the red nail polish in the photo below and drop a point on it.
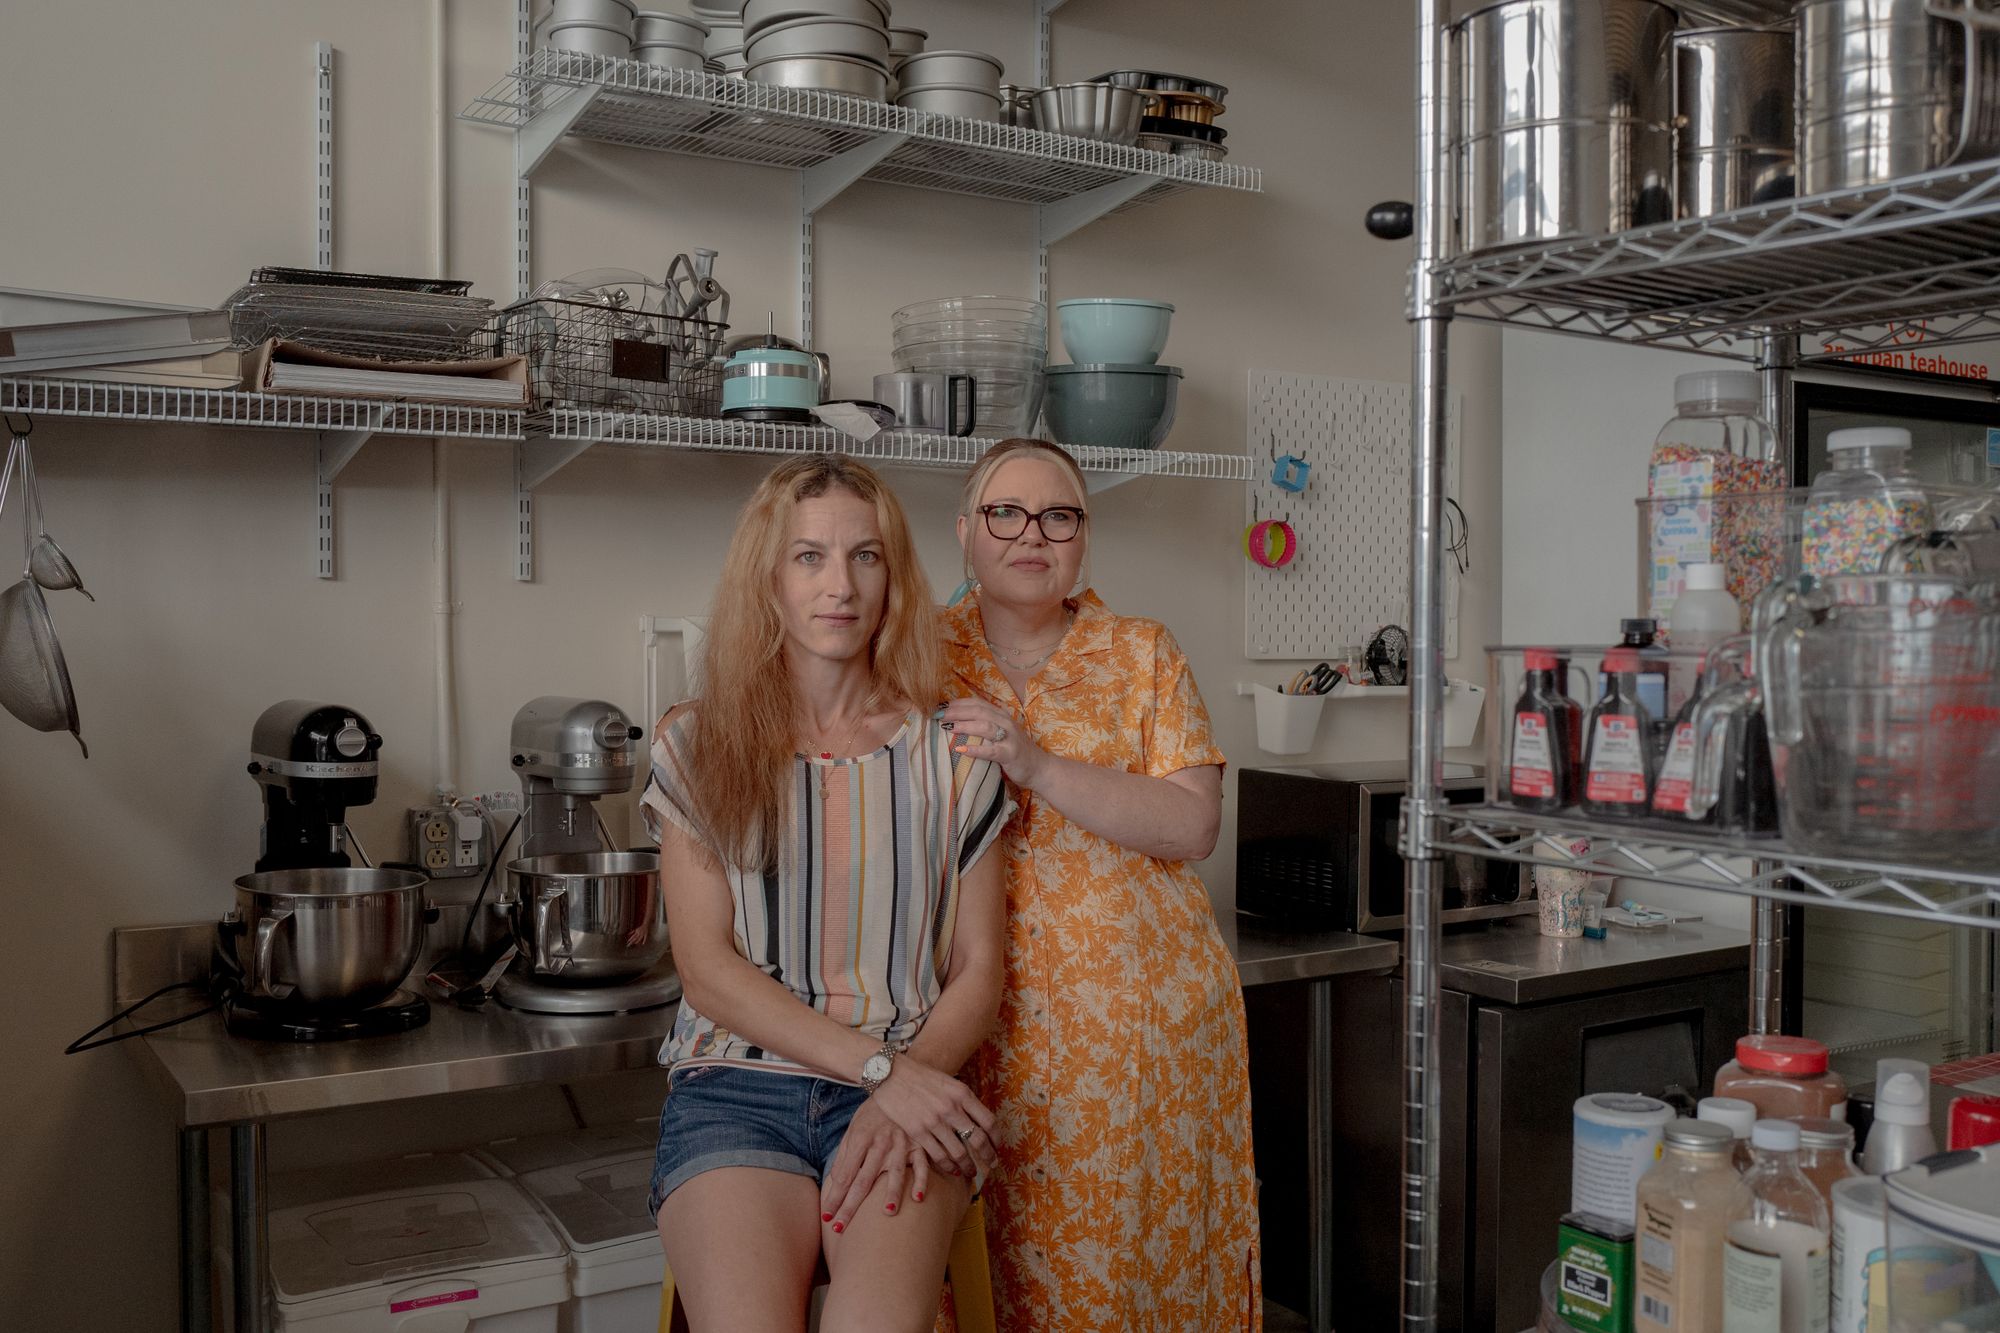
(892, 1207)
(838, 1227)
(920, 1196)
(826, 1217)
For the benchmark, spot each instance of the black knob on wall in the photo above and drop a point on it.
(1392, 220)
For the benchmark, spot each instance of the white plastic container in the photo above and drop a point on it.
(1615, 1139)
(1860, 1233)
(598, 1208)
(1704, 615)
(1740, 1116)
(571, 1147)
(1901, 1135)
(451, 1248)
(1287, 723)
(1944, 1244)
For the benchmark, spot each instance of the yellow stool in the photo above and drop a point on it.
(965, 1266)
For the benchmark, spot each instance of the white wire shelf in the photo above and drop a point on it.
(1857, 268)
(642, 105)
(1702, 861)
(895, 447)
(161, 405)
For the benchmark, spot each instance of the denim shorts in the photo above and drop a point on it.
(724, 1115)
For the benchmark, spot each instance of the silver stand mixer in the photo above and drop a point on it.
(587, 919)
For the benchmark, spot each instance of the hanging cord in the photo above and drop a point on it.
(1458, 536)
(84, 1043)
(465, 937)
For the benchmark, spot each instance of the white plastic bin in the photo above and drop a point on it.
(615, 1264)
(420, 1245)
(571, 1147)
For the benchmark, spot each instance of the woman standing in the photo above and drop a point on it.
(836, 924)
(1125, 1197)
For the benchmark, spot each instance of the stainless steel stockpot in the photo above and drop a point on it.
(1563, 119)
(1734, 143)
(588, 916)
(1892, 88)
(328, 938)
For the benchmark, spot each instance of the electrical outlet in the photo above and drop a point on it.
(450, 841)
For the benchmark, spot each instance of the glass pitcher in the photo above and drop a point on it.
(1734, 786)
(1883, 703)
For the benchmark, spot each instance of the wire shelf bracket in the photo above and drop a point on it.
(537, 457)
(1756, 868)
(1065, 217)
(333, 450)
(544, 129)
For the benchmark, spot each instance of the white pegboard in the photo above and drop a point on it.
(1352, 573)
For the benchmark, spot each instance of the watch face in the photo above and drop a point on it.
(875, 1068)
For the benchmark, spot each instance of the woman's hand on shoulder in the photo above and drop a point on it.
(979, 729)
(941, 1116)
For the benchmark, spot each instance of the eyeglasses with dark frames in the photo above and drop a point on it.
(1058, 523)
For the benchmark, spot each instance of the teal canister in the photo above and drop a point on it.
(770, 383)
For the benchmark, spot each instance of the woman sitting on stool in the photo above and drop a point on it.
(836, 923)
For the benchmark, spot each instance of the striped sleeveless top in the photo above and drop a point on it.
(856, 917)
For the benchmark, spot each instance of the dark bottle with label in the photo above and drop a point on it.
(1642, 635)
(1674, 785)
(1618, 752)
(1543, 748)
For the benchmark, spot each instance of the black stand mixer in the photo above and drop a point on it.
(315, 948)
(587, 920)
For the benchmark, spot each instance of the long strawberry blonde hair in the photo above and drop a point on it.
(745, 729)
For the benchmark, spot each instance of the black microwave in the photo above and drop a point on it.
(1317, 849)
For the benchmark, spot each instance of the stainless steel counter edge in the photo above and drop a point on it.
(1265, 955)
(1514, 963)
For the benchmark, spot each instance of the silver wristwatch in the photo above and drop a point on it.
(876, 1068)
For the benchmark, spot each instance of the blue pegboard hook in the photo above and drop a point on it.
(1290, 473)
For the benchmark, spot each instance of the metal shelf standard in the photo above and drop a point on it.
(1856, 264)
(1757, 867)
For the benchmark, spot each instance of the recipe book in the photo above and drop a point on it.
(278, 366)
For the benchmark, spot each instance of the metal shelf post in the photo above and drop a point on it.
(1424, 882)
(333, 450)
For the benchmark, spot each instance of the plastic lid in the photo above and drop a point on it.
(1717, 386)
(1775, 1135)
(1818, 1131)
(1700, 1136)
(539, 1152)
(1796, 1056)
(1975, 1119)
(1638, 627)
(1957, 1192)
(595, 1204)
(1539, 659)
(1868, 437)
(1903, 1101)
(1621, 660)
(1707, 578)
(1734, 1113)
(1888, 1068)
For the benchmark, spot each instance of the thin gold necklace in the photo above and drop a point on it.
(826, 773)
(1006, 653)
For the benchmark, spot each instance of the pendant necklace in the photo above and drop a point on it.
(826, 772)
(1005, 654)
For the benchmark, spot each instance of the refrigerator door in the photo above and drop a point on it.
(1954, 425)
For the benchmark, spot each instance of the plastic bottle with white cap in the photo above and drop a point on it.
(1704, 615)
(1901, 1134)
(1735, 1113)
(1776, 1262)
(1864, 503)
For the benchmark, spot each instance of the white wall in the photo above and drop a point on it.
(161, 151)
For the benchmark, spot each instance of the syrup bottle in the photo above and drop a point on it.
(1542, 754)
(1618, 752)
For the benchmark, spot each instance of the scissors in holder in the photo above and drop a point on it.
(1314, 680)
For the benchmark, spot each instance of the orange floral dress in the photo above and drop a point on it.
(1125, 1198)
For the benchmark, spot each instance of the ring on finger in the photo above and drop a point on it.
(964, 1135)
(1000, 733)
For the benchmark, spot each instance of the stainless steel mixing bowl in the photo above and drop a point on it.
(329, 939)
(592, 917)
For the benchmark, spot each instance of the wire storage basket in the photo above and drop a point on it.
(382, 322)
(601, 354)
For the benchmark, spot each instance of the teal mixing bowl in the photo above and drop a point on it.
(1112, 406)
(1114, 331)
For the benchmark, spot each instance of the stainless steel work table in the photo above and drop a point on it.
(215, 1081)
(1514, 963)
(1265, 956)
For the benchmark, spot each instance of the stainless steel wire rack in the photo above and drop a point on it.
(162, 405)
(1759, 867)
(897, 447)
(361, 321)
(709, 115)
(1853, 269)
